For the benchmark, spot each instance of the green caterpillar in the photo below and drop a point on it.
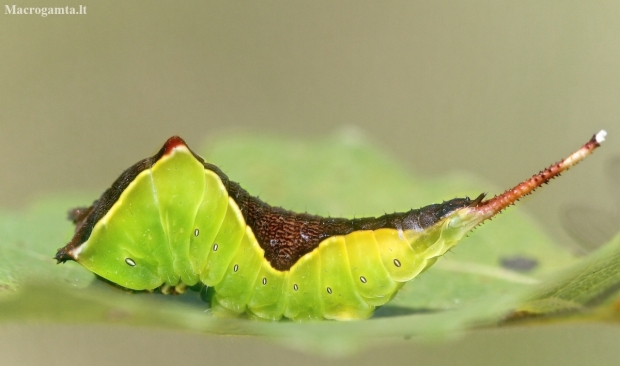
(174, 220)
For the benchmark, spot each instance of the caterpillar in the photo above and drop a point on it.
(174, 220)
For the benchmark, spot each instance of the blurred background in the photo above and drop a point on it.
(500, 89)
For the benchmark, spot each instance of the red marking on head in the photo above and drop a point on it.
(172, 143)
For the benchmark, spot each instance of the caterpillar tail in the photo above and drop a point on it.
(485, 210)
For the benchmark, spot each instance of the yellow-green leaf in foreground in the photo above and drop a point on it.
(589, 289)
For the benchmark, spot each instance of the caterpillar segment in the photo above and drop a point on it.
(174, 220)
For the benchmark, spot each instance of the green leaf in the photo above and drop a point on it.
(589, 288)
(27, 239)
(484, 279)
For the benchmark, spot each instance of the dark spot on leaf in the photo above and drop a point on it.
(392, 310)
(519, 263)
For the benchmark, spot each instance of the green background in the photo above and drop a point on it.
(500, 89)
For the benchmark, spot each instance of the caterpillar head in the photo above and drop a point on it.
(119, 236)
(105, 251)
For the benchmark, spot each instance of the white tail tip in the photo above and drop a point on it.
(600, 136)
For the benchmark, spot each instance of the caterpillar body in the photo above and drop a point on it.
(175, 220)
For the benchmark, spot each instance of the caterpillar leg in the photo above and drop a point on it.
(173, 290)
